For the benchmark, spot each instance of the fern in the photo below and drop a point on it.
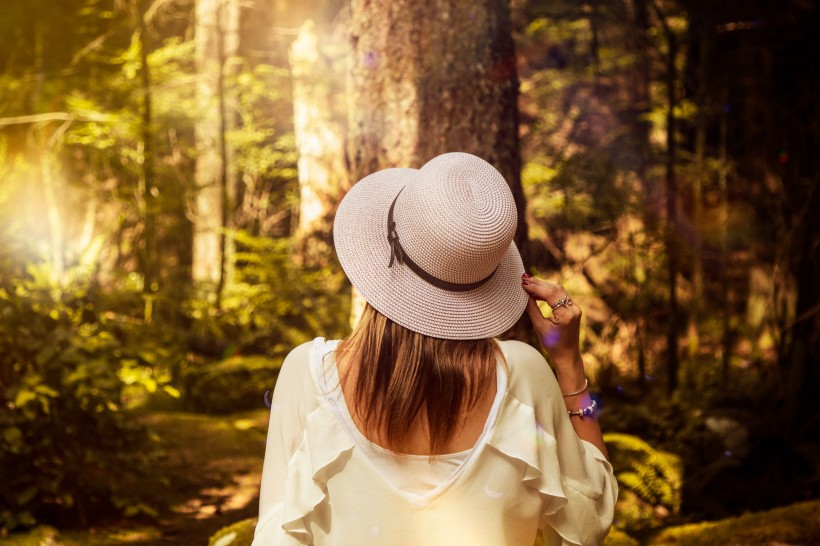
(653, 476)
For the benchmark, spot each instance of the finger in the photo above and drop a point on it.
(544, 290)
(534, 312)
(541, 323)
(545, 327)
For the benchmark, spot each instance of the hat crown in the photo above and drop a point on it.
(456, 220)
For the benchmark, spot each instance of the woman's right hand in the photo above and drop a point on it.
(560, 336)
(559, 333)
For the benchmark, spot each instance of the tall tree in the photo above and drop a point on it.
(698, 59)
(641, 97)
(217, 40)
(431, 77)
(319, 130)
(147, 185)
(671, 186)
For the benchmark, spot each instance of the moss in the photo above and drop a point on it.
(616, 537)
(45, 535)
(237, 534)
(795, 524)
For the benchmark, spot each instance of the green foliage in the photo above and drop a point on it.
(616, 537)
(273, 306)
(235, 384)
(67, 444)
(650, 481)
(237, 534)
(732, 444)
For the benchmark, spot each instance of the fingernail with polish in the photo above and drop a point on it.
(527, 276)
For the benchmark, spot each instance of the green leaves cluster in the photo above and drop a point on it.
(68, 445)
(650, 481)
(274, 304)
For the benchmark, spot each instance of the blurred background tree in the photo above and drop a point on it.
(169, 171)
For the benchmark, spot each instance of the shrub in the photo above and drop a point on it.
(650, 482)
(236, 384)
(273, 305)
(68, 446)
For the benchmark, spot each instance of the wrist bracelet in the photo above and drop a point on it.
(583, 412)
(586, 384)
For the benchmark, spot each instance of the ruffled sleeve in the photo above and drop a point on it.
(291, 403)
(304, 448)
(576, 482)
(324, 451)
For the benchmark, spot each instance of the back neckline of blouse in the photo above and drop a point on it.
(328, 375)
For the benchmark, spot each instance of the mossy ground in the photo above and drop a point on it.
(794, 525)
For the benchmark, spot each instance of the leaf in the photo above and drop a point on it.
(140, 508)
(24, 396)
(26, 519)
(46, 391)
(13, 437)
(172, 391)
(26, 495)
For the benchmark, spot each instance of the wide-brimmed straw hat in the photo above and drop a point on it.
(432, 248)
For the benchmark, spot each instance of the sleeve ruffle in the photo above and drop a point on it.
(577, 485)
(323, 452)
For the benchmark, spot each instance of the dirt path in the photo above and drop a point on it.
(214, 465)
(209, 475)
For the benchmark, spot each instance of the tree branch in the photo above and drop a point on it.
(56, 116)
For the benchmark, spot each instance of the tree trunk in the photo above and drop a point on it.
(801, 365)
(319, 132)
(217, 38)
(672, 224)
(147, 188)
(798, 85)
(698, 181)
(433, 77)
(641, 108)
(725, 311)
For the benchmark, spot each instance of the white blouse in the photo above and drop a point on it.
(323, 483)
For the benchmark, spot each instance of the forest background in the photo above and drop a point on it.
(169, 171)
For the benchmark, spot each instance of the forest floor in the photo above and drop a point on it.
(214, 464)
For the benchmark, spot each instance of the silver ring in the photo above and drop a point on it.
(566, 301)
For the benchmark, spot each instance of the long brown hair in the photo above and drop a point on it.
(398, 375)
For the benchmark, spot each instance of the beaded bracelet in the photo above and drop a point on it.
(583, 412)
(586, 384)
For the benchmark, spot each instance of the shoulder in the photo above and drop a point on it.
(523, 358)
(295, 368)
(299, 354)
(528, 369)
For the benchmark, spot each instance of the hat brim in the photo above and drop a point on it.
(360, 238)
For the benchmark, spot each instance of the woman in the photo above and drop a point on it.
(420, 428)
